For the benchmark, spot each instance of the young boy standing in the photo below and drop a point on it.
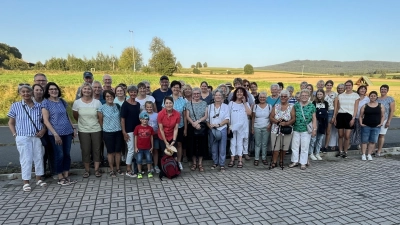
(144, 143)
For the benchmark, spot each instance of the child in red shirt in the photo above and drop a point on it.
(144, 143)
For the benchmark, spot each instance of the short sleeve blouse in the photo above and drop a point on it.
(386, 103)
(58, 116)
(198, 109)
(279, 114)
(111, 117)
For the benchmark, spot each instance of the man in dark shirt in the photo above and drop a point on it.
(162, 92)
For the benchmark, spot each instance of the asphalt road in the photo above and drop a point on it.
(9, 153)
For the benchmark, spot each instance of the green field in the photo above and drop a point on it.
(70, 81)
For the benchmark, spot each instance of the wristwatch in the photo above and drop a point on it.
(14, 135)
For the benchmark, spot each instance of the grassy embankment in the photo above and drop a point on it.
(70, 81)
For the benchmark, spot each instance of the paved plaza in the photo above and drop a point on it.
(333, 191)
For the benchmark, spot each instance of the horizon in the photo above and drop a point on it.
(260, 33)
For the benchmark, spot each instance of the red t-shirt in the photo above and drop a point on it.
(143, 136)
(168, 122)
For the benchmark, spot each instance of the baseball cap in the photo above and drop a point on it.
(163, 77)
(87, 74)
(144, 115)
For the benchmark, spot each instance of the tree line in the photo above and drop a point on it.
(162, 61)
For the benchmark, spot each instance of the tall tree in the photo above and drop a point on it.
(6, 52)
(125, 61)
(199, 65)
(162, 59)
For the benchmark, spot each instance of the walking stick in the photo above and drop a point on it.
(273, 149)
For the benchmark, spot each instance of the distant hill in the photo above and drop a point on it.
(335, 67)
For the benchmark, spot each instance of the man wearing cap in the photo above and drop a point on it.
(162, 92)
(87, 78)
(230, 88)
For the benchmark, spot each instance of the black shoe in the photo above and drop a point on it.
(344, 155)
(323, 150)
(340, 154)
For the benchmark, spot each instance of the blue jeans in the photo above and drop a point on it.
(261, 136)
(218, 148)
(62, 156)
(370, 134)
(315, 144)
(141, 153)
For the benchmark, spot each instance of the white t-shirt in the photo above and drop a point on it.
(261, 117)
(143, 101)
(330, 98)
(87, 121)
(222, 112)
(347, 102)
(238, 118)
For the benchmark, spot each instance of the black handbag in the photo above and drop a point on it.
(42, 139)
(203, 126)
(286, 129)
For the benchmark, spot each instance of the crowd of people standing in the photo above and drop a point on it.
(136, 125)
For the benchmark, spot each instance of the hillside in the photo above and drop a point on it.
(335, 67)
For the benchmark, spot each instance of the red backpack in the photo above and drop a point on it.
(169, 167)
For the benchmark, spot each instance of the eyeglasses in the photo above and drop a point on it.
(348, 85)
(245, 85)
(196, 93)
(147, 86)
(284, 96)
(21, 84)
(216, 115)
(41, 80)
(53, 89)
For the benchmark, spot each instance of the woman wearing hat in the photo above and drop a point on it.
(217, 120)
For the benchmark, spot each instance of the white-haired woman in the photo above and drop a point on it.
(282, 115)
(260, 127)
(25, 123)
(305, 114)
(217, 120)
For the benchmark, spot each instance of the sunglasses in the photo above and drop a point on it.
(22, 84)
(216, 115)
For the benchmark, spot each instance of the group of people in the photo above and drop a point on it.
(136, 125)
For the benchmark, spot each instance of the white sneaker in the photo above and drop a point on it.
(318, 157)
(363, 157)
(369, 157)
(312, 157)
(180, 166)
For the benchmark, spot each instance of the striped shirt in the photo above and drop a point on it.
(23, 124)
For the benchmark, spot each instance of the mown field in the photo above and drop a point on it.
(69, 82)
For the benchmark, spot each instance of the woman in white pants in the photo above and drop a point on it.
(239, 111)
(26, 126)
(305, 114)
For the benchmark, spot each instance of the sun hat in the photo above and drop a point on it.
(229, 85)
(170, 151)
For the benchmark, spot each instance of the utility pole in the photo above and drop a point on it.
(302, 71)
(133, 52)
(112, 58)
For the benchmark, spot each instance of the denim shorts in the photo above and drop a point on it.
(143, 153)
(330, 115)
(369, 134)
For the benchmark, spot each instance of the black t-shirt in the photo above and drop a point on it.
(159, 97)
(131, 115)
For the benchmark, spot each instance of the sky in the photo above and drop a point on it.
(222, 33)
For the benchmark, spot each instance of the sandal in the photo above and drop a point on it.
(119, 172)
(201, 169)
(231, 164)
(214, 166)
(303, 167)
(86, 174)
(71, 181)
(97, 173)
(41, 183)
(273, 165)
(240, 164)
(63, 182)
(293, 165)
(193, 168)
(222, 169)
(256, 162)
(26, 188)
(281, 165)
(112, 174)
(265, 162)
